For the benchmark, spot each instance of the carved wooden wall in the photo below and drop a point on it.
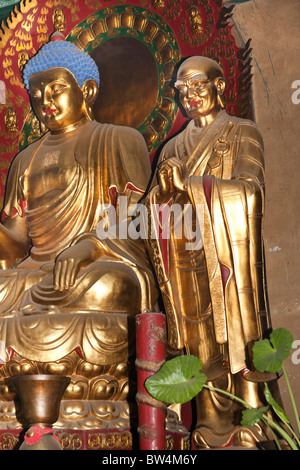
(136, 44)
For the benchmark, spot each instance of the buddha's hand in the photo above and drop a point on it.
(172, 177)
(70, 260)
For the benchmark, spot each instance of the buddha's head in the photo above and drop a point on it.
(62, 82)
(201, 84)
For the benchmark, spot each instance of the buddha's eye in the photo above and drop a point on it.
(182, 89)
(197, 85)
(57, 88)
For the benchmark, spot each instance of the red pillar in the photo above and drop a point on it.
(150, 355)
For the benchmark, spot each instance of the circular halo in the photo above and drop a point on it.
(136, 52)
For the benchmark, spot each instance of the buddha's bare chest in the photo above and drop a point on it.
(49, 173)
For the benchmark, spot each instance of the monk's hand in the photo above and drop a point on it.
(69, 262)
(172, 177)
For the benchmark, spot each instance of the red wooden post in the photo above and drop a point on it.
(150, 355)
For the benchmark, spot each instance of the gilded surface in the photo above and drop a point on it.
(214, 291)
(62, 288)
(159, 34)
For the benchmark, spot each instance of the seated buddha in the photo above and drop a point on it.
(51, 257)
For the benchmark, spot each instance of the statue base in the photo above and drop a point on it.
(95, 351)
(96, 439)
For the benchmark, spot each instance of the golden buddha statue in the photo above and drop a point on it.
(51, 257)
(213, 288)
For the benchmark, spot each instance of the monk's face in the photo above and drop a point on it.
(198, 95)
(56, 98)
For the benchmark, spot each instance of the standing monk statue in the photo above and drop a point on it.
(51, 257)
(212, 289)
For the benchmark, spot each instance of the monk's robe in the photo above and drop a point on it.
(58, 187)
(214, 294)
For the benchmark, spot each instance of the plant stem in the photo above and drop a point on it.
(291, 397)
(285, 435)
(288, 439)
(273, 434)
(293, 433)
(215, 389)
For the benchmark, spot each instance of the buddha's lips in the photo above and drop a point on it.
(49, 111)
(195, 103)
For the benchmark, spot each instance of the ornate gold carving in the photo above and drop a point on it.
(109, 441)
(169, 442)
(22, 60)
(79, 414)
(171, 9)
(185, 443)
(158, 4)
(195, 21)
(16, 18)
(191, 29)
(69, 441)
(11, 120)
(88, 381)
(8, 441)
(58, 18)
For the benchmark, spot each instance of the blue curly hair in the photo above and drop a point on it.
(62, 54)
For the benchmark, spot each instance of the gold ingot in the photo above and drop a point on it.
(112, 21)
(167, 53)
(167, 107)
(139, 22)
(85, 36)
(98, 27)
(151, 29)
(160, 40)
(150, 136)
(126, 19)
(168, 70)
(159, 123)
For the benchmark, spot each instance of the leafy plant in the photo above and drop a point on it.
(181, 379)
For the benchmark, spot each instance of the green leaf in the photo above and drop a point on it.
(282, 340)
(268, 354)
(276, 407)
(177, 381)
(253, 415)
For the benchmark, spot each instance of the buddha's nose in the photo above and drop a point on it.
(190, 92)
(46, 99)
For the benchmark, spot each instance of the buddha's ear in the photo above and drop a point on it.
(89, 90)
(220, 85)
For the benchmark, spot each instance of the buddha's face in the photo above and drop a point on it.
(198, 96)
(56, 98)
(199, 83)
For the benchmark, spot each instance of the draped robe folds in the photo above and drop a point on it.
(109, 161)
(226, 180)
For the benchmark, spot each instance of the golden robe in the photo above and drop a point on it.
(85, 169)
(215, 295)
